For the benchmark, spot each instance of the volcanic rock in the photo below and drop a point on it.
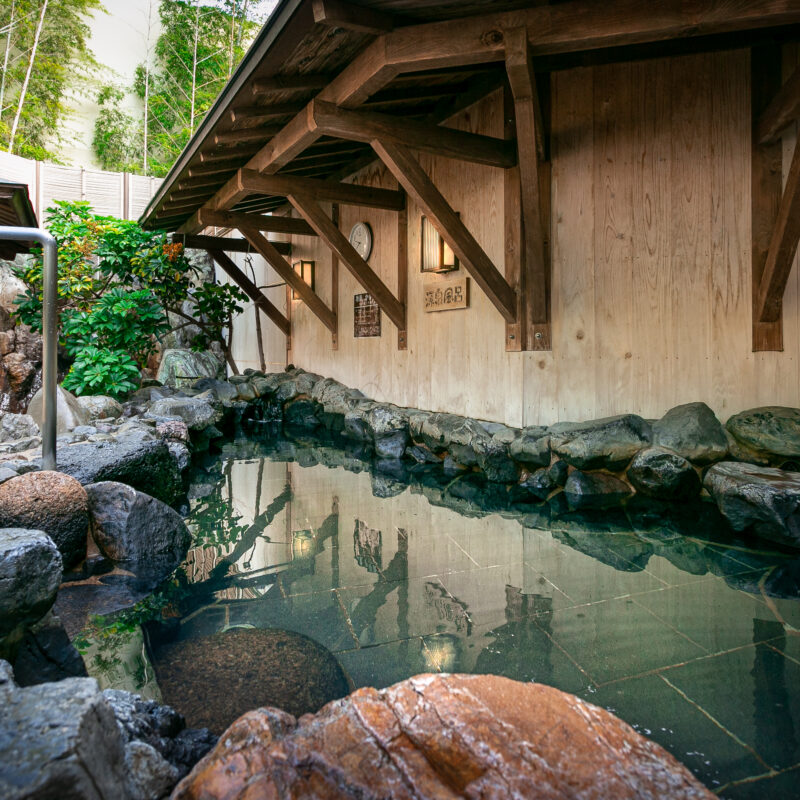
(441, 736)
(52, 502)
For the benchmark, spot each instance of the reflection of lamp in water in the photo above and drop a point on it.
(441, 652)
(302, 544)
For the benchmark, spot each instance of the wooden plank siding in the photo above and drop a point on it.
(651, 232)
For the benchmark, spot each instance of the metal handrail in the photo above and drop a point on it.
(49, 333)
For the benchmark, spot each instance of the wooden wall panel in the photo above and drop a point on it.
(651, 261)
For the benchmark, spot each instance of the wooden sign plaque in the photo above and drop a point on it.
(446, 295)
(366, 316)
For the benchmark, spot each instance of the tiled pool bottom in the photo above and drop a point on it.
(676, 635)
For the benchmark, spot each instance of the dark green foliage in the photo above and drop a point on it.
(58, 62)
(116, 285)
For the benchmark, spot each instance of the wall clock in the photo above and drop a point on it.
(361, 239)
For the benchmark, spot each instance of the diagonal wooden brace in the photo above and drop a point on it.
(361, 271)
(416, 182)
(251, 290)
(268, 250)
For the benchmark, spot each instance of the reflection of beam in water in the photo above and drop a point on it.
(771, 717)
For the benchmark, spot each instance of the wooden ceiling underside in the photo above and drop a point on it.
(308, 58)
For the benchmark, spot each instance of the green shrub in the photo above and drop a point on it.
(117, 286)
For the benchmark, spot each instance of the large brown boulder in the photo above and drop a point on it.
(51, 502)
(440, 736)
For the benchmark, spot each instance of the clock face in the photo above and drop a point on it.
(361, 239)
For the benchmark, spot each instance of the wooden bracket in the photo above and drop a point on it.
(364, 126)
(339, 14)
(251, 290)
(416, 182)
(269, 251)
(775, 211)
(530, 264)
(225, 244)
(361, 271)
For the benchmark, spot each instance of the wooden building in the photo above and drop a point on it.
(576, 208)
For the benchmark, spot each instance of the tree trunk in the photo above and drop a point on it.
(24, 90)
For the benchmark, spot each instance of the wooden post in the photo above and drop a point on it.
(766, 188)
(402, 273)
(334, 279)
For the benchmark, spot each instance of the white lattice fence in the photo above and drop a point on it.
(118, 194)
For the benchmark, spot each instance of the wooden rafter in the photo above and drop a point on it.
(346, 193)
(306, 82)
(251, 290)
(358, 268)
(364, 126)
(416, 182)
(339, 14)
(256, 114)
(241, 135)
(195, 242)
(559, 28)
(270, 252)
(534, 278)
(267, 224)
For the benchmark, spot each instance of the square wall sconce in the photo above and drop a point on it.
(436, 255)
(307, 271)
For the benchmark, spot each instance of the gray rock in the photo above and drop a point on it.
(6, 474)
(763, 499)
(302, 412)
(135, 458)
(657, 472)
(692, 431)
(537, 485)
(531, 446)
(246, 392)
(559, 470)
(294, 386)
(498, 430)
(587, 490)
(493, 459)
(84, 430)
(130, 527)
(52, 502)
(69, 413)
(355, 424)
(46, 654)
(608, 443)
(30, 573)
(222, 390)
(180, 455)
(20, 445)
(183, 367)
(774, 430)
(150, 776)
(60, 740)
(196, 412)
(17, 426)
(740, 452)
(100, 406)
(388, 429)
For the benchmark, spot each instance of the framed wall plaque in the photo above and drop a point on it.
(366, 316)
(446, 295)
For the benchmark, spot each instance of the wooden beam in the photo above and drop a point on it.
(263, 113)
(560, 28)
(347, 254)
(225, 244)
(200, 171)
(339, 14)
(534, 283)
(268, 224)
(784, 109)
(346, 193)
(402, 273)
(270, 252)
(232, 156)
(416, 182)
(782, 249)
(766, 190)
(251, 290)
(283, 83)
(365, 126)
(241, 135)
